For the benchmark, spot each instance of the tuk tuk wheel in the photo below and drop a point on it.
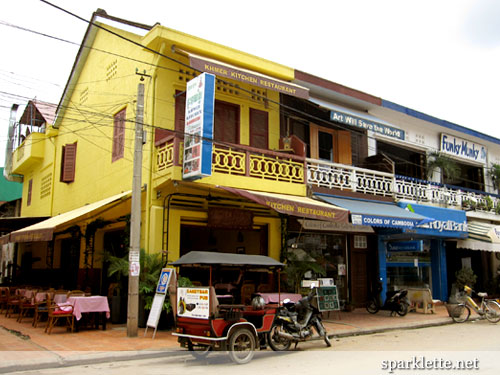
(199, 351)
(241, 346)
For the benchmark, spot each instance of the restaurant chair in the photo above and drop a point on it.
(246, 293)
(55, 312)
(75, 293)
(4, 297)
(42, 308)
(27, 304)
(13, 303)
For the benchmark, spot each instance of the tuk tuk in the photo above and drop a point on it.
(205, 323)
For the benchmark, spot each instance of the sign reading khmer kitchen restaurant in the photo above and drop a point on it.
(246, 76)
(462, 148)
(199, 128)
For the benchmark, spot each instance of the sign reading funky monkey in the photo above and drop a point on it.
(463, 149)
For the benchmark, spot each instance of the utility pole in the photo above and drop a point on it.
(135, 220)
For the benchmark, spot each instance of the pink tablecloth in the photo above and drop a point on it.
(60, 298)
(88, 304)
(273, 297)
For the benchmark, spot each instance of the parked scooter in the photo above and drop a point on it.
(396, 302)
(294, 323)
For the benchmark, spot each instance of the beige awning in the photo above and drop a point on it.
(44, 230)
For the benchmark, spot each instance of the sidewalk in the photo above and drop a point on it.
(23, 347)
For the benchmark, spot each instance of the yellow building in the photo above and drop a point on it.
(79, 168)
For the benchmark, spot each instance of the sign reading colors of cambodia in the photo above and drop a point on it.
(462, 148)
(199, 127)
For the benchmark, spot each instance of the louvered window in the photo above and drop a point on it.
(226, 122)
(30, 192)
(68, 163)
(259, 129)
(118, 136)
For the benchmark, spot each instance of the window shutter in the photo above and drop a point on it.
(68, 163)
(259, 129)
(30, 192)
(344, 147)
(118, 136)
(226, 122)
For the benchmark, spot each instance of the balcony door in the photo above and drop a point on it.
(330, 145)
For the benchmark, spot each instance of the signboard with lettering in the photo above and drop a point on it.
(193, 302)
(362, 123)
(406, 245)
(199, 128)
(246, 76)
(381, 221)
(328, 298)
(463, 149)
(165, 275)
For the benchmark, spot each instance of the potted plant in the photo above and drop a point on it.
(150, 268)
(437, 161)
(494, 174)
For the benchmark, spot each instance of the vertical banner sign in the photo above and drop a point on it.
(159, 298)
(199, 128)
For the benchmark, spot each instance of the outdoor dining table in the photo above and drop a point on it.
(89, 304)
(275, 297)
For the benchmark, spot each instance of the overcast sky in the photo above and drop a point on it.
(440, 57)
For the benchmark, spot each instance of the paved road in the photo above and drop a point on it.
(474, 347)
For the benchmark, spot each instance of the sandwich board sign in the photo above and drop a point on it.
(159, 299)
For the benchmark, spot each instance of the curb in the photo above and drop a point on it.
(93, 359)
(104, 357)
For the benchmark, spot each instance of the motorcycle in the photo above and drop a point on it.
(294, 322)
(396, 302)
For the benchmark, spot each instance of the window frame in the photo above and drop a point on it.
(118, 147)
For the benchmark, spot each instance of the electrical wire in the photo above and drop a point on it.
(279, 105)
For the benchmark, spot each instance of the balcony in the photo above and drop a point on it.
(343, 177)
(237, 166)
(29, 152)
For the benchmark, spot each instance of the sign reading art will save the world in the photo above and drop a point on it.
(199, 127)
(462, 148)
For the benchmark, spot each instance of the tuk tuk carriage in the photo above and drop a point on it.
(203, 323)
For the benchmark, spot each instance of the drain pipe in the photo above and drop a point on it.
(9, 149)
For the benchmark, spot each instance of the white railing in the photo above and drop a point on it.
(367, 181)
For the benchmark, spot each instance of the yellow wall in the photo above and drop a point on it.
(106, 84)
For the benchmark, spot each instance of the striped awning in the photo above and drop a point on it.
(481, 236)
(483, 231)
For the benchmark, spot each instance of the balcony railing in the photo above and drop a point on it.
(238, 160)
(367, 181)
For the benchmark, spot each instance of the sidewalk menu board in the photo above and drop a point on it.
(193, 302)
(328, 299)
(159, 298)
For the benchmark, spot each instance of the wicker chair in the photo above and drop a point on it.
(26, 305)
(55, 312)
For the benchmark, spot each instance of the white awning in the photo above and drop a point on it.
(478, 245)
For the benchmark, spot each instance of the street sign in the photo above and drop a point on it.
(328, 299)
